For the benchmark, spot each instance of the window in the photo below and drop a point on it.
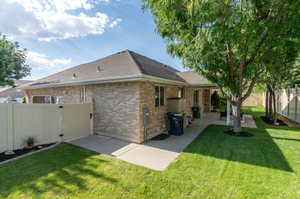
(59, 99)
(181, 92)
(41, 99)
(159, 96)
(196, 97)
(82, 95)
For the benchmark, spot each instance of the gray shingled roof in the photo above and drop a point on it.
(116, 65)
(154, 68)
(195, 79)
(120, 65)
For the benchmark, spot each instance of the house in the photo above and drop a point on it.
(129, 92)
(13, 94)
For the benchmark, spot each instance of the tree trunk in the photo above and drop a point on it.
(267, 104)
(236, 114)
(270, 117)
(274, 107)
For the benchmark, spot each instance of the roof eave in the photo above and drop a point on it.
(204, 85)
(132, 78)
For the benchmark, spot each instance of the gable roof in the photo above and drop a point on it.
(122, 66)
(154, 68)
(195, 79)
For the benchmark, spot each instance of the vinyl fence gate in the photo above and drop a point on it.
(47, 123)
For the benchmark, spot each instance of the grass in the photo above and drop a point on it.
(214, 166)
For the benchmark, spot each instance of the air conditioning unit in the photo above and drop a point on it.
(176, 105)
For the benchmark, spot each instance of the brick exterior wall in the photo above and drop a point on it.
(158, 121)
(118, 107)
(115, 107)
(116, 110)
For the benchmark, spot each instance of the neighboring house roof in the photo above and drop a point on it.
(122, 66)
(14, 92)
(194, 79)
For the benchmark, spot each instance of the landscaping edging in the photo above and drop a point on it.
(29, 153)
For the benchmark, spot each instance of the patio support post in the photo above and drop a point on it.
(228, 113)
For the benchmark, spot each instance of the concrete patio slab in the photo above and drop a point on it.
(153, 154)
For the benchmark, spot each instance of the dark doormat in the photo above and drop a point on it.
(241, 134)
(161, 137)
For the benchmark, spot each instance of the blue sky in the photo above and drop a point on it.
(59, 34)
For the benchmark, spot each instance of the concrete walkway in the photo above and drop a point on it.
(152, 154)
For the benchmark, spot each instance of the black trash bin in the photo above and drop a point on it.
(196, 112)
(175, 124)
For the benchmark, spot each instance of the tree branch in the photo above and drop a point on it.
(250, 89)
(263, 38)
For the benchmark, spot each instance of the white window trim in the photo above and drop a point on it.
(182, 92)
(83, 96)
(159, 86)
(41, 96)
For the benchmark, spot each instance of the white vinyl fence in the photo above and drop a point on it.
(288, 103)
(44, 122)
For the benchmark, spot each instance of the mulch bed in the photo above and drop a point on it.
(24, 151)
(241, 134)
(279, 122)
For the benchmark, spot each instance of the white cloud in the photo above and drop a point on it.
(115, 23)
(44, 61)
(42, 65)
(48, 20)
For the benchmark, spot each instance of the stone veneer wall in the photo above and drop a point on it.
(158, 114)
(115, 107)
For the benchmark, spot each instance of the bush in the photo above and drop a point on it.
(215, 100)
(30, 142)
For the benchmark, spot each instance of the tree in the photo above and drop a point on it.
(12, 62)
(215, 100)
(280, 66)
(293, 77)
(225, 40)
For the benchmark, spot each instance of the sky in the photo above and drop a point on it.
(59, 34)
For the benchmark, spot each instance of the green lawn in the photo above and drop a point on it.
(214, 166)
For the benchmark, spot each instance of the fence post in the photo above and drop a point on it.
(61, 122)
(10, 128)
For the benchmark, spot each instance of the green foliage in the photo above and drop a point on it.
(12, 62)
(226, 40)
(30, 141)
(281, 65)
(293, 77)
(215, 100)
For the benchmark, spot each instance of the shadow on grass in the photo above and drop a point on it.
(260, 150)
(257, 112)
(61, 170)
(287, 139)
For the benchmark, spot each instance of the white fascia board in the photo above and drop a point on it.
(131, 78)
(204, 85)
